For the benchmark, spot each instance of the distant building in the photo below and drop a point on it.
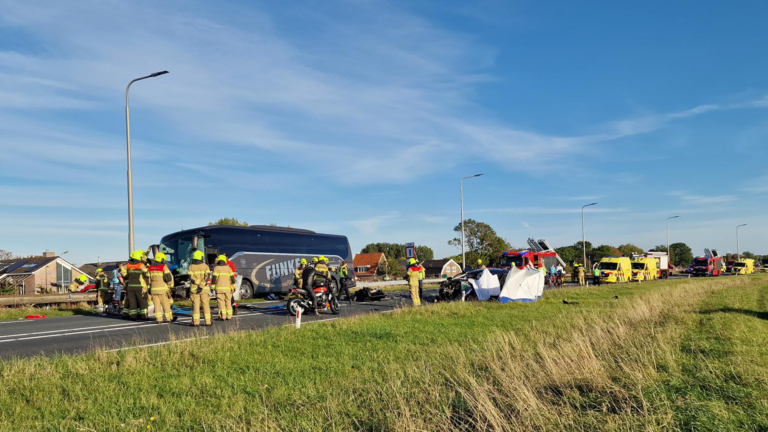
(441, 268)
(43, 274)
(90, 268)
(370, 265)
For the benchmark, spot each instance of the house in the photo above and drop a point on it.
(370, 265)
(90, 268)
(444, 268)
(43, 274)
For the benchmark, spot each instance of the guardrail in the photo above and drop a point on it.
(29, 300)
(361, 284)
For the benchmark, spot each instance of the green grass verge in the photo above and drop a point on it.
(674, 355)
(11, 313)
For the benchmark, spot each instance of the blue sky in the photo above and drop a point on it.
(373, 111)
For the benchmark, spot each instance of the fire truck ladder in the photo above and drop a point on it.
(542, 246)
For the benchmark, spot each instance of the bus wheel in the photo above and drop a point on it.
(246, 290)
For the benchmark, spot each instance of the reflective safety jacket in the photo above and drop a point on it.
(223, 278)
(135, 275)
(597, 272)
(322, 273)
(102, 282)
(198, 274)
(160, 278)
(343, 271)
(414, 274)
(74, 287)
(581, 271)
(298, 276)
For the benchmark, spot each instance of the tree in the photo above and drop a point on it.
(482, 242)
(6, 255)
(603, 251)
(629, 249)
(229, 221)
(397, 251)
(659, 248)
(425, 253)
(747, 254)
(569, 254)
(681, 254)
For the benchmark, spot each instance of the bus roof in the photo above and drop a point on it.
(252, 228)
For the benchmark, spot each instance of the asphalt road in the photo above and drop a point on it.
(83, 333)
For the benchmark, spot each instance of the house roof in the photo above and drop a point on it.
(435, 264)
(368, 259)
(24, 265)
(90, 268)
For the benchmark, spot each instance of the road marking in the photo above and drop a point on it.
(75, 333)
(71, 329)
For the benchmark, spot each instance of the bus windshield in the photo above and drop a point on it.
(511, 260)
(178, 251)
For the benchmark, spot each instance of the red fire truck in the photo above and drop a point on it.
(707, 266)
(522, 259)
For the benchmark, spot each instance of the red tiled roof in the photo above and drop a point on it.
(370, 260)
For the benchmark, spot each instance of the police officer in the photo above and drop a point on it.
(198, 289)
(412, 276)
(136, 275)
(343, 278)
(223, 282)
(160, 285)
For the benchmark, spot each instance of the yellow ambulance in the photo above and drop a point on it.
(615, 269)
(644, 269)
(744, 267)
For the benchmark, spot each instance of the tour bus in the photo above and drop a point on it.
(265, 256)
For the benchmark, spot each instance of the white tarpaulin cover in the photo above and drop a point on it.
(526, 285)
(486, 286)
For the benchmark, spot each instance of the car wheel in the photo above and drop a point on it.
(246, 290)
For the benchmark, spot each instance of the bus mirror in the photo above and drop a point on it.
(155, 249)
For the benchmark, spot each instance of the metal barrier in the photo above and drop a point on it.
(24, 300)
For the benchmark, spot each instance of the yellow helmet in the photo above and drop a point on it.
(322, 259)
(303, 261)
(221, 258)
(412, 261)
(83, 278)
(198, 255)
(160, 257)
(98, 270)
(315, 259)
(479, 261)
(136, 255)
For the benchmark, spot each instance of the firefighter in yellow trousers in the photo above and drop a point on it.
(581, 274)
(102, 288)
(136, 276)
(223, 281)
(414, 273)
(160, 285)
(199, 291)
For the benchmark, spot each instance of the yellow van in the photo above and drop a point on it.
(644, 269)
(615, 269)
(744, 267)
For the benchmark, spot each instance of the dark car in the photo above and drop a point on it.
(452, 288)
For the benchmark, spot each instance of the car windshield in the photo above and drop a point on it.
(608, 266)
(511, 260)
(638, 266)
(700, 263)
(740, 264)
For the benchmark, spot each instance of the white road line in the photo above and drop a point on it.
(156, 344)
(74, 333)
(71, 329)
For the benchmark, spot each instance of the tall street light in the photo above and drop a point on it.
(583, 234)
(128, 142)
(669, 252)
(463, 249)
(738, 255)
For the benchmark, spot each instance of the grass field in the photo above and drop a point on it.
(674, 355)
(10, 314)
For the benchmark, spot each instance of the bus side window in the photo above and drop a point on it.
(211, 254)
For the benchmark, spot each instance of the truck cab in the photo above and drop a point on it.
(707, 266)
(522, 259)
(644, 269)
(615, 269)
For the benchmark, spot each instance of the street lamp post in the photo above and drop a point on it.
(738, 255)
(128, 145)
(669, 252)
(463, 249)
(583, 234)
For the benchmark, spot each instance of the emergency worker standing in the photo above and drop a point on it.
(160, 284)
(298, 279)
(580, 268)
(136, 276)
(596, 276)
(480, 264)
(343, 278)
(198, 290)
(102, 288)
(412, 276)
(223, 282)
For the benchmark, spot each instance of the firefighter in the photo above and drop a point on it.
(102, 288)
(422, 276)
(580, 269)
(160, 285)
(223, 282)
(343, 273)
(78, 283)
(480, 264)
(298, 279)
(198, 290)
(136, 275)
(412, 276)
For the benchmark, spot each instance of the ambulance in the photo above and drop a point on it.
(615, 269)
